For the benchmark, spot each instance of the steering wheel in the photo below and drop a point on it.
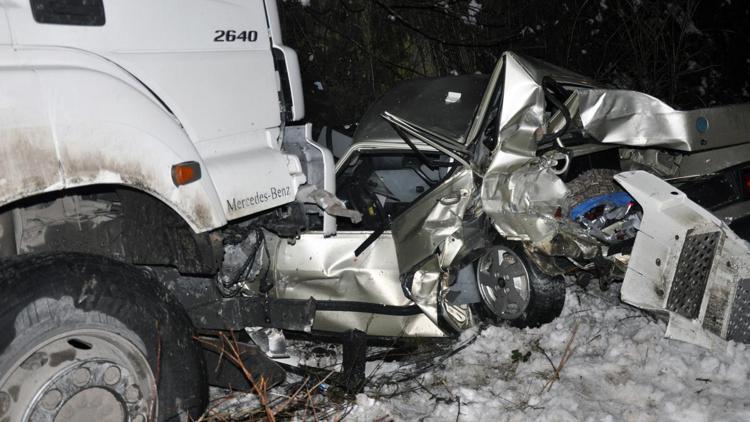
(366, 202)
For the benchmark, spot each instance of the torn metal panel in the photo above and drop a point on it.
(522, 111)
(326, 269)
(464, 289)
(609, 115)
(660, 162)
(637, 119)
(423, 285)
(518, 82)
(538, 69)
(317, 164)
(688, 263)
(429, 237)
(429, 222)
(330, 204)
(522, 204)
(428, 287)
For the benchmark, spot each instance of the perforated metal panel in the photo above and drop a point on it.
(689, 283)
(718, 301)
(739, 321)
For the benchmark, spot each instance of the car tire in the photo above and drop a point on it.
(90, 338)
(543, 296)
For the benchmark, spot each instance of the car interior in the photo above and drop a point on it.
(382, 185)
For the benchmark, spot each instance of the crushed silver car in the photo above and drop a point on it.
(480, 193)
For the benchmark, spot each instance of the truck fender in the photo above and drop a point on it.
(89, 122)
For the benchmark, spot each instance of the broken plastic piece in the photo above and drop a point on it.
(688, 263)
(328, 202)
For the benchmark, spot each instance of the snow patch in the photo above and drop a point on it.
(621, 368)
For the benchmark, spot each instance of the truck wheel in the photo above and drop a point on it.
(87, 338)
(515, 290)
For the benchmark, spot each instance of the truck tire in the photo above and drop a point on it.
(590, 183)
(86, 338)
(514, 290)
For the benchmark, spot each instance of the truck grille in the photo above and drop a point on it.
(689, 283)
(718, 301)
(739, 322)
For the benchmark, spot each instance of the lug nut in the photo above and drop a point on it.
(81, 377)
(139, 418)
(35, 361)
(112, 375)
(4, 402)
(132, 394)
(51, 399)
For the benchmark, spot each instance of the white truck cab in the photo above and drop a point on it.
(111, 92)
(131, 134)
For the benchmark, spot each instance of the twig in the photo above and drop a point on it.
(311, 402)
(284, 405)
(548, 358)
(152, 410)
(563, 360)
(259, 386)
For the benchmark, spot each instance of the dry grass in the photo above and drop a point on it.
(315, 394)
(302, 399)
(567, 353)
(230, 350)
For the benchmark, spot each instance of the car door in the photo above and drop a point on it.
(421, 231)
(359, 287)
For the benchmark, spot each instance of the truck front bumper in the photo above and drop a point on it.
(688, 263)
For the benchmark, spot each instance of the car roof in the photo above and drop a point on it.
(425, 102)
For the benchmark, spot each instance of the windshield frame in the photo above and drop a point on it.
(490, 93)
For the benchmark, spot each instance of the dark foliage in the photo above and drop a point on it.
(690, 53)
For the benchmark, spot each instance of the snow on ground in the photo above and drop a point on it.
(621, 369)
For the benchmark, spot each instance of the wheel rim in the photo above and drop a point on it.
(82, 375)
(504, 283)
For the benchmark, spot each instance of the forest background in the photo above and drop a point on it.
(690, 53)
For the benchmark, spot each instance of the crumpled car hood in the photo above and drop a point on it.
(610, 116)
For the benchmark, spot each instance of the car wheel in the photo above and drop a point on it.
(513, 289)
(90, 339)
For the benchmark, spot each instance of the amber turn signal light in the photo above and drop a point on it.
(187, 172)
